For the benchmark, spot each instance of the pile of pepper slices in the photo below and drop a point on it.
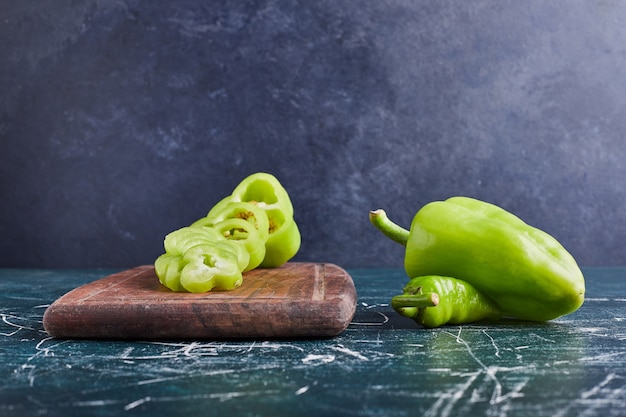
(253, 227)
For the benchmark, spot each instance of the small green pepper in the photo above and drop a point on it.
(434, 301)
(524, 270)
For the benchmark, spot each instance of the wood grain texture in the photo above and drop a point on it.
(295, 300)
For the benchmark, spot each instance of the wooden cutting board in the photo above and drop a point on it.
(294, 300)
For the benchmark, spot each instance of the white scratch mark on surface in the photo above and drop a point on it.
(94, 403)
(302, 390)
(349, 352)
(444, 405)
(497, 396)
(542, 338)
(30, 370)
(137, 403)
(385, 320)
(367, 306)
(186, 376)
(493, 343)
(18, 327)
(598, 387)
(597, 397)
(126, 352)
(221, 396)
(318, 359)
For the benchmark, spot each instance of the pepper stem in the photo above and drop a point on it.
(429, 299)
(394, 232)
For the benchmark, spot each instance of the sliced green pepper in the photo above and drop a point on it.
(168, 268)
(180, 240)
(227, 209)
(265, 192)
(284, 239)
(525, 271)
(210, 266)
(186, 245)
(245, 234)
(434, 301)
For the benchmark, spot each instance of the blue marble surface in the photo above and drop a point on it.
(121, 121)
(382, 364)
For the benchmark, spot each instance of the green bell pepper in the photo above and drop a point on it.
(525, 271)
(434, 301)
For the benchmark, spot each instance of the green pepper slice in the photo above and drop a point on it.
(284, 239)
(244, 233)
(180, 240)
(185, 244)
(210, 266)
(168, 268)
(227, 209)
(265, 193)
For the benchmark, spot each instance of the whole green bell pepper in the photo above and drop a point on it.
(434, 301)
(525, 271)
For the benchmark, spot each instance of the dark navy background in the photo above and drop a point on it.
(123, 120)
